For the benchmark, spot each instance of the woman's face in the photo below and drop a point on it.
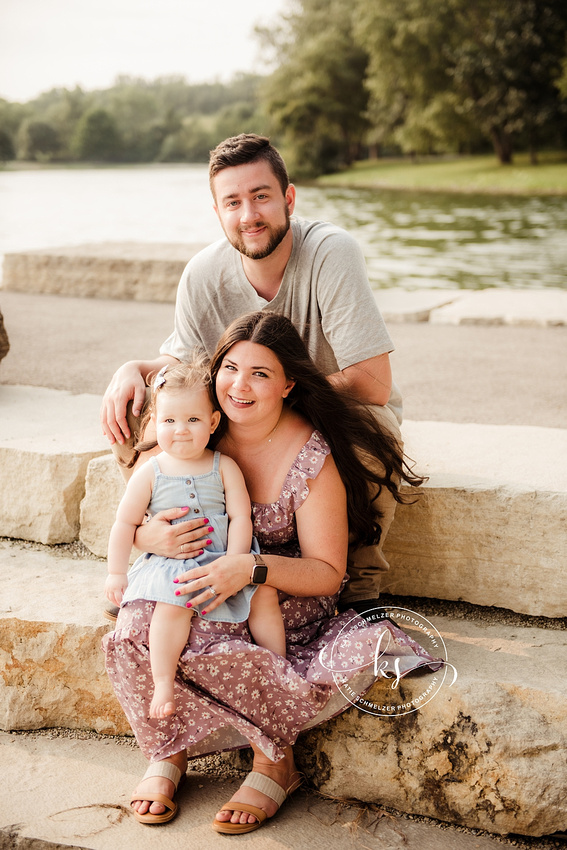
(251, 383)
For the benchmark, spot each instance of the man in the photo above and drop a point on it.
(312, 272)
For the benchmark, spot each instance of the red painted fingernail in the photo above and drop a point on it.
(210, 528)
(178, 593)
(205, 519)
(185, 508)
(208, 541)
(201, 552)
(175, 580)
(203, 612)
(189, 605)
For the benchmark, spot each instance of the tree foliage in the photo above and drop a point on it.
(97, 138)
(136, 120)
(316, 98)
(441, 70)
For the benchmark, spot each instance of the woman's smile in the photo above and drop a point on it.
(251, 376)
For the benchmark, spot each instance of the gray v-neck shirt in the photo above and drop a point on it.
(324, 291)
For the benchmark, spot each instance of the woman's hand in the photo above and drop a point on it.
(227, 575)
(179, 540)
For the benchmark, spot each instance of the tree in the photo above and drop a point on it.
(441, 68)
(97, 138)
(316, 98)
(7, 149)
(38, 141)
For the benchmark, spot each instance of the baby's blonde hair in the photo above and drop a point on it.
(182, 376)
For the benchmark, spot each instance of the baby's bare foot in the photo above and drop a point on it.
(163, 702)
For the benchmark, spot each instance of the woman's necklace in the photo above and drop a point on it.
(275, 428)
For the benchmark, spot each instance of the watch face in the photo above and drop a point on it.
(260, 574)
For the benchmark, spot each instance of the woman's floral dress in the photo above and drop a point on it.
(230, 692)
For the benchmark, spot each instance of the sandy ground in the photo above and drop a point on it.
(499, 375)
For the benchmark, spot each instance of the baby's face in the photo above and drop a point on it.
(185, 420)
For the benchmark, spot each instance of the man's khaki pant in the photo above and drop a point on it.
(365, 566)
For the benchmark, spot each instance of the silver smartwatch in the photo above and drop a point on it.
(259, 571)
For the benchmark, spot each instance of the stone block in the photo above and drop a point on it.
(529, 307)
(51, 625)
(123, 270)
(103, 490)
(487, 752)
(490, 527)
(404, 305)
(47, 439)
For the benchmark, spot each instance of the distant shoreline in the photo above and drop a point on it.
(480, 175)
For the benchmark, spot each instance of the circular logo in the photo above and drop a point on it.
(390, 653)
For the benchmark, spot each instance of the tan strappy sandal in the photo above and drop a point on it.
(168, 771)
(260, 782)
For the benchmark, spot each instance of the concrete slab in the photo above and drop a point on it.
(125, 270)
(544, 307)
(47, 439)
(403, 305)
(75, 793)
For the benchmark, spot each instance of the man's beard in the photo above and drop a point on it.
(276, 238)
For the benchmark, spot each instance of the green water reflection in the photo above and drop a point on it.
(419, 240)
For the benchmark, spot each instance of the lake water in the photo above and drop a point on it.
(411, 240)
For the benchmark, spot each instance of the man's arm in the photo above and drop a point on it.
(128, 383)
(370, 381)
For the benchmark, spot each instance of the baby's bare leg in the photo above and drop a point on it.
(265, 621)
(169, 631)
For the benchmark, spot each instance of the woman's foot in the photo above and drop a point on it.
(163, 701)
(281, 772)
(148, 788)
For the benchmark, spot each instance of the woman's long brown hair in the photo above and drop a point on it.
(348, 425)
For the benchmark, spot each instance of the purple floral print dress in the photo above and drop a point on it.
(230, 692)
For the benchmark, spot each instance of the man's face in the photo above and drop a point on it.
(252, 209)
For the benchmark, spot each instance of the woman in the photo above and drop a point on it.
(281, 420)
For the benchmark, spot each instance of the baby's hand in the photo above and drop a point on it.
(114, 588)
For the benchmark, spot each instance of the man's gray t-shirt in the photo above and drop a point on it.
(324, 291)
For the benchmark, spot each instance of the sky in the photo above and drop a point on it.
(63, 43)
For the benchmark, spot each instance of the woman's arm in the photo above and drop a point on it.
(129, 515)
(323, 538)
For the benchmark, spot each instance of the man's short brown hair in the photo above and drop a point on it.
(245, 148)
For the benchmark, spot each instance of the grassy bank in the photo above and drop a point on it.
(483, 174)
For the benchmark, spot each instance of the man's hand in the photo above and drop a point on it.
(127, 383)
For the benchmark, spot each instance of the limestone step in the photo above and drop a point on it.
(75, 792)
(487, 751)
(489, 528)
(151, 272)
(47, 438)
(126, 270)
(494, 306)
